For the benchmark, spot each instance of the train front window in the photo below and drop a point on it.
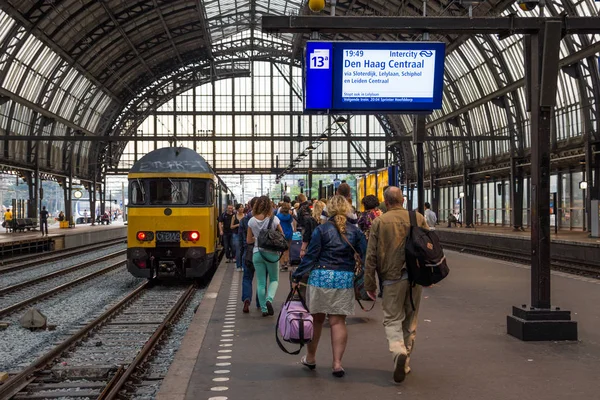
(199, 191)
(168, 191)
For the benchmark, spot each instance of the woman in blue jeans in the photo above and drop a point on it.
(237, 238)
(265, 262)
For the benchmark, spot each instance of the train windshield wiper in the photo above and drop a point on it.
(175, 191)
(141, 190)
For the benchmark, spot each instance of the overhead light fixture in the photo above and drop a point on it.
(461, 195)
(323, 137)
(583, 185)
(311, 148)
(487, 177)
(340, 120)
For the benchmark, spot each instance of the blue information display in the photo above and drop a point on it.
(402, 77)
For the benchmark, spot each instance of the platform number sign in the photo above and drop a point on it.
(319, 59)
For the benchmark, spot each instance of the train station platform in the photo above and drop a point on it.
(462, 350)
(28, 242)
(573, 250)
(563, 235)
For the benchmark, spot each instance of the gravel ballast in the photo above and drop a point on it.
(15, 277)
(68, 311)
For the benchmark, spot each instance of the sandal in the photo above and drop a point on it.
(338, 373)
(306, 364)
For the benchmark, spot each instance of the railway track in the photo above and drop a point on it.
(34, 260)
(105, 353)
(15, 297)
(557, 263)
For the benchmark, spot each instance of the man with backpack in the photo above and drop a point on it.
(386, 254)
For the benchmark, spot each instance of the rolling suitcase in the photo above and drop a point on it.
(295, 252)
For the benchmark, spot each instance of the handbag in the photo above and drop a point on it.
(272, 240)
(359, 277)
(294, 323)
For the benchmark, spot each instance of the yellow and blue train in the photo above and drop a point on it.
(175, 199)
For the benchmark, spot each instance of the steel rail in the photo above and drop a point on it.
(14, 307)
(17, 382)
(17, 286)
(53, 255)
(150, 344)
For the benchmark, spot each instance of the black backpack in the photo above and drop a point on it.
(425, 259)
(272, 239)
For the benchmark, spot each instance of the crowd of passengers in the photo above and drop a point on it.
(331, 231)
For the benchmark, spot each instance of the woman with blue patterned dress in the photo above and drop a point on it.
(330, 261)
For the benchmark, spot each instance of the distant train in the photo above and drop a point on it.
(175, 199)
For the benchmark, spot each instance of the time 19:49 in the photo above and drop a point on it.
(354, 53)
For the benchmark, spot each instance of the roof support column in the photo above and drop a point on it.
(468, 199)
(595, 191)
(540, 322)
(516, 194)
(587, 177)
(418, 139)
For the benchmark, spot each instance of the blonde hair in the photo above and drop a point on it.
(338, 207)
(301, 198)
(318, 210)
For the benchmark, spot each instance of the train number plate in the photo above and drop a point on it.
(168, 237)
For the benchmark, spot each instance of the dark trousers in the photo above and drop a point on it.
(247, 285)
(228, 246)
(42, 225)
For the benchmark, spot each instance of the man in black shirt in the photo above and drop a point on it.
(44, 220)
(227, 233)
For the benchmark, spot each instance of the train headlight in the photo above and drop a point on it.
(191, 236)
(144, 236)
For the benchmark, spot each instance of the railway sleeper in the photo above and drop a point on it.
(83, 371)
(58, 394)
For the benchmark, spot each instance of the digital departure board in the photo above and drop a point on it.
(347, 77)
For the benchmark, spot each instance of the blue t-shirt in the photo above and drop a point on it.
(286, 225)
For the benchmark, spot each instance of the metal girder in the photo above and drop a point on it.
(31, 25)
(126, 37)
(167, 31)
(203, 20)
(568, 60)
(267, 171)
(437, 25)
(44, 112)
(285, 138)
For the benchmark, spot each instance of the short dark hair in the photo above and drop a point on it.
(427, 205)
(344, 190)
(370, 202)
(287, 199)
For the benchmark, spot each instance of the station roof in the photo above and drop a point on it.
(82, 67)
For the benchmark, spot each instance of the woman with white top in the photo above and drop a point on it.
(265, 261)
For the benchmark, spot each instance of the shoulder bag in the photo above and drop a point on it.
(359, 276)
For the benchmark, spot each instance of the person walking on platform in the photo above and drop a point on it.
(330, 261)
(247, 264)
(430, 217)
(386, 256)
(265, 261)
(288, 227)
(236, 237)
(227, 233)
(44, 221)
(8, 216)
